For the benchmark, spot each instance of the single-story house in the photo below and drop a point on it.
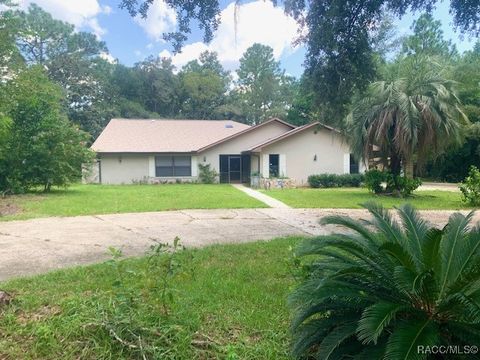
(157, 150)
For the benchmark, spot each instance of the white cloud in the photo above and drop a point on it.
(165, 53)
(81, 13)
(257, 22)
(160, 18)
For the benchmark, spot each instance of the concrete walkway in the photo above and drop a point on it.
(271, 202)
(439, 186)
(39, 245)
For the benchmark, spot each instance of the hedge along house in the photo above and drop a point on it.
(162, 150)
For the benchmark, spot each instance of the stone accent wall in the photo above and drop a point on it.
(277, 183)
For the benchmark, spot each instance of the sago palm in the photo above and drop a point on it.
(385, 287)
(414, 112)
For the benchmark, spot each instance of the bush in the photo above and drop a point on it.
(206, 175)
(403, 185)
(399, 185)
(470, 187)
(334, 180)
(386, 287)
(374, 180)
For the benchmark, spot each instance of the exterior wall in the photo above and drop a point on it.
(241, 143)
(130, 168)
(298, 151)
(91, 173)
(123, 168)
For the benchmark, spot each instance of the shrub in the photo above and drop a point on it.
(398, 185)
(470, 187)
(374, 179)
(206, 175)
(334, 180)
(403, 185)
(386, 287)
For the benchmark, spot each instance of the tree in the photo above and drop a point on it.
(72, 60)
(204, 84)
(158, 87)
(42, 147)
(302, 110)
(455, 163)
(340, 55)
(427, 39)
(379, 292)
(259, 84)
(408, 116)
(10, 59)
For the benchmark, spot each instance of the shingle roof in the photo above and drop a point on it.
(163, 135)
(258, 147)
(249, 129)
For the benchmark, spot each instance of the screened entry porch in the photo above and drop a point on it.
(235, 168)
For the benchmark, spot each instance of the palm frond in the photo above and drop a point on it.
(375, 319)
(334, 339)
(415, 230)
(404, 341)
(450, 249)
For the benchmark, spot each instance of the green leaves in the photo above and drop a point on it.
(407, 337)
(454, 246)
(375, 319)
(404, 284)
(42, 147)
(409, 115)
(262, 87)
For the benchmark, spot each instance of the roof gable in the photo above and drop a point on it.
(246, 131)
(297, 130)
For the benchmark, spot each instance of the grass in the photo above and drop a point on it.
(231, 306)
(108, 199)
(353, 197)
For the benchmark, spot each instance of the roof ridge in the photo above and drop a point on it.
(163, 119)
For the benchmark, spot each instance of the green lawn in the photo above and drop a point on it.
(229, 302)
(107, 199)
(353, 197)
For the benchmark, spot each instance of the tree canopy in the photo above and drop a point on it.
(340, 37)
(40, 147)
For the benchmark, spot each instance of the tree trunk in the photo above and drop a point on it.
(395, 169)
(409, 169)
(395, 164)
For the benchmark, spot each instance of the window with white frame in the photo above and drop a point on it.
(173, 165)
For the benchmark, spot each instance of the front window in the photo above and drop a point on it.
(273, 165)
(354, 169)
(168, 166)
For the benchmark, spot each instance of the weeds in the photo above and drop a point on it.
(122, 318)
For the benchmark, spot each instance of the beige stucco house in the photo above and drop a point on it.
(159, 150)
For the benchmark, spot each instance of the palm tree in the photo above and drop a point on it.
(380, 294)
(414, 113)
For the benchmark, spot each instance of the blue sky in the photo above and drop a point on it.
(130, 40)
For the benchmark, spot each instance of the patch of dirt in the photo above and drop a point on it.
(5, 298)
(39, 314)
(7, 207)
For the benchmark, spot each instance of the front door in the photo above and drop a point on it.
(235, 169)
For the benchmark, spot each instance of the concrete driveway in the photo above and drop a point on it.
(39, 245)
